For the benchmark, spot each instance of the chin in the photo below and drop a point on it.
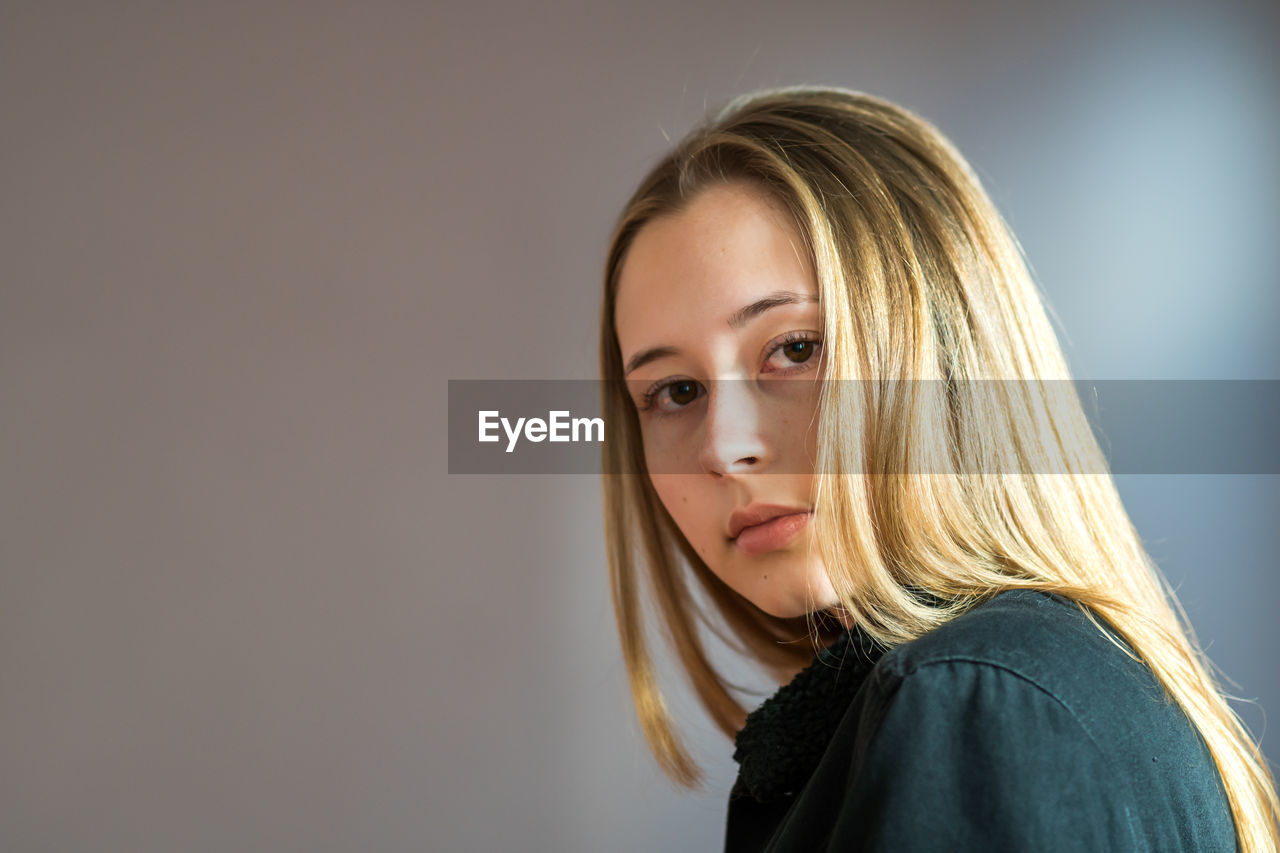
(784, 609)
(803, 602)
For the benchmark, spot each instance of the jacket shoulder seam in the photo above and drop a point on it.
(1004, 667)
(1022, 676)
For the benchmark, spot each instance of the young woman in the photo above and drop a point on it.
(810, 287)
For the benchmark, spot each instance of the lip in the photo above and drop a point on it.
(757, 514)
(771, 535)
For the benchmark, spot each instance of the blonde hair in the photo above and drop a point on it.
(919, 278)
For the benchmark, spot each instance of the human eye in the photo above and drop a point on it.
(676, 393)
(793, 352)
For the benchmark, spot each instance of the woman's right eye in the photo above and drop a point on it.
(675, 394)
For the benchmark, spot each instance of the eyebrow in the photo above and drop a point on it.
(740, 318)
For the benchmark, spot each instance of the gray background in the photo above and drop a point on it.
(244, 245)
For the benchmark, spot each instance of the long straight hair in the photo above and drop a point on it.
(919, 278)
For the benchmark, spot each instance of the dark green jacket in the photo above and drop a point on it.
(1017, 726)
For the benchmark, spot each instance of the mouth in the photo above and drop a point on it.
(772, 534)
(759, 513)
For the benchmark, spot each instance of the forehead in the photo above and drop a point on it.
(730, 245)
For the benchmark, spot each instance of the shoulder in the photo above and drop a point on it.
(1024, 670)
(1045, 643)
(972, 732)
(1022, 720)
(1018, 628)
(1023, 665)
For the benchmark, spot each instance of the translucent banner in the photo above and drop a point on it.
(919, 427)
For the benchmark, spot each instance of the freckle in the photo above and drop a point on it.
(684, 500)
(766, 577)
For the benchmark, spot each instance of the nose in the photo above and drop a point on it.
(733, 440)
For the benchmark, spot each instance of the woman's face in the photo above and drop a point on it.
(720, 329)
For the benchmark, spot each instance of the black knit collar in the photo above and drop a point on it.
(783, 740)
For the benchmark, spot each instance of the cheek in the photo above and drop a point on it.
(807, 433)
(670, 446)
(676, 496)
(691, 512)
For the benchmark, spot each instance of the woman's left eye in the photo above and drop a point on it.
(797, 348)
